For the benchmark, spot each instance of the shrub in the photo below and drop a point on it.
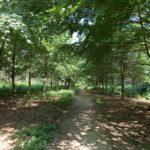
(60, 93)
(35, 138)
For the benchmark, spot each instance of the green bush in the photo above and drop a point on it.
(35, 138)
(21, 89)
(138, 91)
(65, 101)
(147, 95)
(60, 93)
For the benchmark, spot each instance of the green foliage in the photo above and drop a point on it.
(60, 93)
(65, 97)
(144, 147)
(37, 137)
(138, 91)
(147, 94)
(97, 99)
(35, 43)
(21, 89)
(77, 90)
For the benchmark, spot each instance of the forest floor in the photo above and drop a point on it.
(111, 124)
(16, 115)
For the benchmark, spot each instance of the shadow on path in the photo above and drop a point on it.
(106, 126)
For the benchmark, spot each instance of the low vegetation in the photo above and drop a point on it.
(37, 137)
(34, 118)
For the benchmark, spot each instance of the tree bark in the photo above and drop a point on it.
(106, 83)
(102, 86)
(29, 81)
(2, 48)
(45, 75)
(112, 84)
(122, 80)
(13, 72)
(1, 52)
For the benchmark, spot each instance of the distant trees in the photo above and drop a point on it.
(115, 41)
(113, 38)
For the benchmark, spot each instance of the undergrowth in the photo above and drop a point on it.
(35, 138)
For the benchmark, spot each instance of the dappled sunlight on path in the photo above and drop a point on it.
(79, 132)
(91, 127)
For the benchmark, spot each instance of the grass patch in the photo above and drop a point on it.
(97, 100)
(21, 89)
(35, 138)
(65, 97)
(60, 93)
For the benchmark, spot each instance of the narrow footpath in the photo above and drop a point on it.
(84, 127)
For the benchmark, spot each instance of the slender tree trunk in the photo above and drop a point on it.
(2, 48)
(29, 75)
(68, 84)
(65, 83)
(122, 80)
(102, 86)
(45, 75)
(29, 81)
(99, 85)
(73, 83)
(112, 84)
(96, 84)
(13, 72)
(133, 82)
(106, 83)
(1, 53)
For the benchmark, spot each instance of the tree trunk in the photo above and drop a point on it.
(122, 80)
(2, 48)
(13, 73)
(99, 85)
(106, 84)
(133, 82)
(29, 82)
(102, 86)
(112, 84)
(45, 75)
(65, 83)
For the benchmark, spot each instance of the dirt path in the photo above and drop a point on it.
(84, 128)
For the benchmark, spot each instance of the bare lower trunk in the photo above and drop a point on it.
(13, 84)
(122, 80)
(106, 84)
(112, 85)
(13, 70)
(102, 86)
(45, 75)
(2, 48)
(44, 85)
(29, 82)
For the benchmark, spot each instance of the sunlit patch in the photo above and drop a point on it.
(6, 142)
(69, 134)
(116, 134)
(78, 137)
(116, 139)
(83, 133)
(34, 104)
